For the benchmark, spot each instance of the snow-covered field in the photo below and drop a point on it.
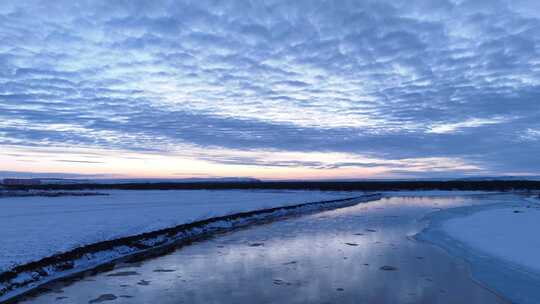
(510, 234)
(35, 227)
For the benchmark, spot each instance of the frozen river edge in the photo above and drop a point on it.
(31, 276)
(515, 282)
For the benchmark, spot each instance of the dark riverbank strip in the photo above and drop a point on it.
(463, 185)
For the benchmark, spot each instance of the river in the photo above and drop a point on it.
(359, 254)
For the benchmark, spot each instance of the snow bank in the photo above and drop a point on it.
(35, 227)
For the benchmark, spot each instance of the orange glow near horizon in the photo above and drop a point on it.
(172, 167)
(270, 165)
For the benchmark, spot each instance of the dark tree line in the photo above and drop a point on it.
(488, 185)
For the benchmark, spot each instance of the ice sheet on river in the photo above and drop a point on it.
(499, 240)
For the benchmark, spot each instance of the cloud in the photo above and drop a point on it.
(392, 79)
(78, 161)
(447, 127)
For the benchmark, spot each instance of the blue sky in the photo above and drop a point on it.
(270, 89)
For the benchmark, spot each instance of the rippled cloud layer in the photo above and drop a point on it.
(357, 88)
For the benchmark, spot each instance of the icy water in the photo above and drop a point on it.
(360, 254)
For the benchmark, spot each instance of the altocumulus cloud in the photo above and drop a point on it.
(394, 80)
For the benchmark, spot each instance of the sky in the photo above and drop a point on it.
(270, 89)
